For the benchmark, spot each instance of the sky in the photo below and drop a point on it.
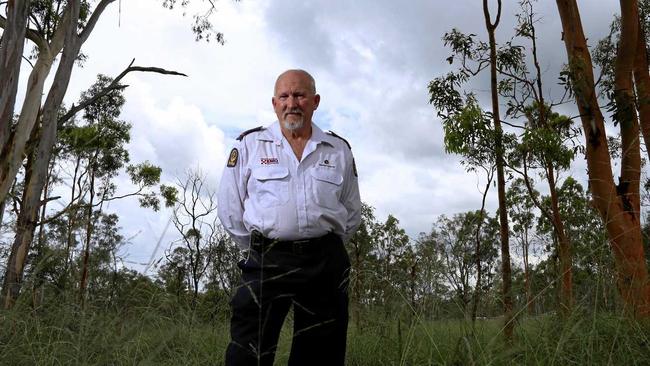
(372, 61)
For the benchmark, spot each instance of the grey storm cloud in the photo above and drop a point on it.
(372, 61)
(396, 48)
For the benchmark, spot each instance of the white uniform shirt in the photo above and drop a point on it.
(264, 187)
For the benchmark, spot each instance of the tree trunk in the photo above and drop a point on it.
(12, 151)
(89, 231)
(529, 297)
(642, 83)
(25, 226)
(38, 258)
(564, 247)
(617, 205)
(72, 214)
(565, 252)
(501, 183)
(45, 143)
(413, 278)
(65, 38)
(477, 253)
(11, 53)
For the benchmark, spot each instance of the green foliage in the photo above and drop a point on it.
(202, 27)
(454, 239)
(469, 133)
(444, 93)
(593, 266)
(521, 206)
(545, 142)
(144, 174)
(46, 15)
(100, 142)
(108, 107)
(169, 195)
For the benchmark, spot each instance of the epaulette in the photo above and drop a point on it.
(331, 133)
(243, 134)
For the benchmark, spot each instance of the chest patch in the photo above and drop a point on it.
(327, 164)
(268, 161)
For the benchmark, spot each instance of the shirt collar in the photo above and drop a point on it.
(274, 133)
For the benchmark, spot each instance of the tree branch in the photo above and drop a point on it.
(114, 85)
(30, 34)
(93, 20)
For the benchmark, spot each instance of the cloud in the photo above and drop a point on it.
(172, 133)
(372, 61)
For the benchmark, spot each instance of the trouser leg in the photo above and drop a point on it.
(321, 314)
(259, 308)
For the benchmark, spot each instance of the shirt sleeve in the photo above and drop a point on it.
(350, 198)
(231, 195)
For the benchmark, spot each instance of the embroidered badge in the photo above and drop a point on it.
(232, 159)
(327, 164)
(268, 161)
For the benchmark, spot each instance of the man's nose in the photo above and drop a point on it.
(292, 102)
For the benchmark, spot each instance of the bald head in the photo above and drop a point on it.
(295, 100)
(302, 74)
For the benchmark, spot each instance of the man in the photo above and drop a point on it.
(289, 196)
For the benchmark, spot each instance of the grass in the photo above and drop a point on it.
(146, 336)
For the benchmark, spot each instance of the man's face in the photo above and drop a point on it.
(294, 100)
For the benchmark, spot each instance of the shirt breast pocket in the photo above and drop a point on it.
(271, 186)
(326, 187)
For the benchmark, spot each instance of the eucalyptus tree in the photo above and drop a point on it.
(453, 239)
(463, 114)
(103, 267)
(392, 244)
(223, 272)
(506, 272)
(432, 286)
(174, 273)
(618, 204)
(543, 144)
(523, 215)
(96, 147)
(361, 249)
(593, 267)
(55, 28)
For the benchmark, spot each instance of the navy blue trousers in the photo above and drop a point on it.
(315, 282)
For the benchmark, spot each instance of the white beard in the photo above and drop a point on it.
(295, 125)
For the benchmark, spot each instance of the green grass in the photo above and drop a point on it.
(145, 336)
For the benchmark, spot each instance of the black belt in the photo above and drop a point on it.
(261, 244)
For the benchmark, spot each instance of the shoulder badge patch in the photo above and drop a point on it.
(243, 134)
(344, 140)
(232, 159)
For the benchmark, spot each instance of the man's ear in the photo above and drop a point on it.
(316, 101)
(273, 102)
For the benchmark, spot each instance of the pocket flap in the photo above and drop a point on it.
(329, 175)
(267, 173)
